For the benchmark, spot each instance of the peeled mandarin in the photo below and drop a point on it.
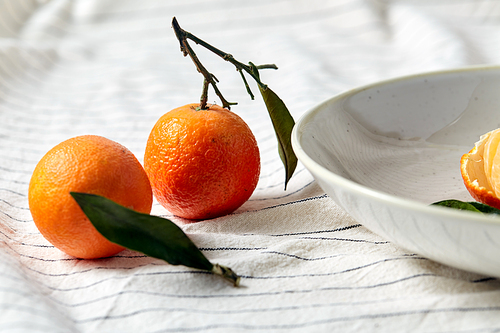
(480, 169)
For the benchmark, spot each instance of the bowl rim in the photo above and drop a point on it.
(367, 192)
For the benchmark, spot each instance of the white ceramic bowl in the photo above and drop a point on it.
(385, 151)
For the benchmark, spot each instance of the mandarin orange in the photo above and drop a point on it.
(480, 169)
(202, 164)
(89, 164)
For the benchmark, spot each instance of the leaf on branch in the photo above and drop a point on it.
(283, 124)
(280, 116)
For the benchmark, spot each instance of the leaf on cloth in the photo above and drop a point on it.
(152, 235)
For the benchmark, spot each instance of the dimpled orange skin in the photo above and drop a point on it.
(202, 164)
(89, 164)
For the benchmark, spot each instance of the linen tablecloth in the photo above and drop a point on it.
(112, 68)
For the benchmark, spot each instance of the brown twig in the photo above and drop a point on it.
(209, 78)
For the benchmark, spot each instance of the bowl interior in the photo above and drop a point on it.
(405, 137)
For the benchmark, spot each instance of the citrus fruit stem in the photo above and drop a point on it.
(226, 273)
(186, 49)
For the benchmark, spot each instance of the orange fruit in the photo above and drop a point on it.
(202, 163)
(480, 169)
(89, 164)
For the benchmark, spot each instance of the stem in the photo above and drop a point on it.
(226, 273)
(186, 49)
(204, 95)
(249, 91)
(267, 66)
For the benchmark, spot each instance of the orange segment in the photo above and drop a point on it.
(490, 146)
(480, 169)
(492, 161)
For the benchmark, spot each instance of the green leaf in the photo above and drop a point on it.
(152, 235)
(457, 204)
(472, 206)
(483, 208)
(283, 124)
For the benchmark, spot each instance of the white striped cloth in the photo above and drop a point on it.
(112, 68)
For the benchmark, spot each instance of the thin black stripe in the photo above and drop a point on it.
(232, 248)
(333, 320)
(302, 258)
(191, 271)
(347, 240)
(23, 243)
(15, 170)
(15, 219)
(331, 273)
(352, 226)
(14, 206)
(292, 308)
(168, 216)
(243, 295)
(291, 202)
(15, 181)
(13, 192)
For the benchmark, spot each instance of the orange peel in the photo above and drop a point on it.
(480, 169)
